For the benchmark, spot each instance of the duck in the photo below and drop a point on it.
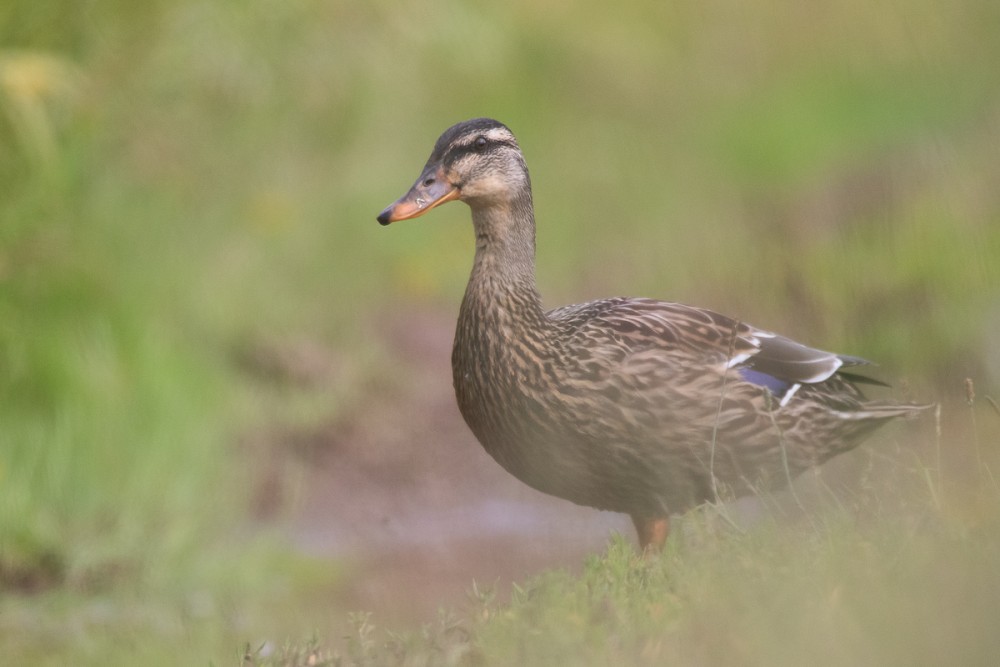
(633, 405)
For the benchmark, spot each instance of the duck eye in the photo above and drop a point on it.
(480, 143)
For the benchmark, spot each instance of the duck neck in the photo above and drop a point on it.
(504, 266)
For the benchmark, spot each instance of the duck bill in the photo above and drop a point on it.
(431, 189)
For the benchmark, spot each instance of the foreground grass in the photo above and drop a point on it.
(835, 596)
(198, 619)
(903, 572)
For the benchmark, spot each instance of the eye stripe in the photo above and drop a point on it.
(470, 147)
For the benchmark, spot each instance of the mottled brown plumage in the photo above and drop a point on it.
(631, 405)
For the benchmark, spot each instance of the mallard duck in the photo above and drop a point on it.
(631, 405)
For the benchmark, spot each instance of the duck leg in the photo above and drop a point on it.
(652, 532)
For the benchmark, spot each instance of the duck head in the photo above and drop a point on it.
(477, 161)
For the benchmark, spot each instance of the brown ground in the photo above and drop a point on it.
(402, 491)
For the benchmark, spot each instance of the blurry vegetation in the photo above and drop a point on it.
(180, 181)
(900, 572)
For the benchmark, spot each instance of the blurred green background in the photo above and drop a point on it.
(181, 180)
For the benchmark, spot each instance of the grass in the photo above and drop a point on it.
(185, 181)
(900, 571)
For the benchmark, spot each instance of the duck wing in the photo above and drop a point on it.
(680, 334)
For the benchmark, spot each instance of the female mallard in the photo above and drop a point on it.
(631, 405)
